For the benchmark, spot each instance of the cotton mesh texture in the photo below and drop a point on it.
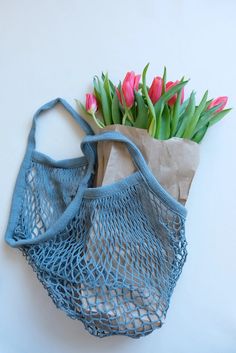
(116, 263)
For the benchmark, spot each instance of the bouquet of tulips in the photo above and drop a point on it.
(160, 108)
(161, 122)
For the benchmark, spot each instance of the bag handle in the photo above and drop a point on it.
(88, 147)
(89, 150)
(82, 123)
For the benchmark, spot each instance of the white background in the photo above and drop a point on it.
(52, 48)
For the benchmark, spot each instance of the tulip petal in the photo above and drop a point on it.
(155, 90)
(91, 103)
(220, 100)
(136, 82)
(128, 93)
(168, 94)
(129, 77)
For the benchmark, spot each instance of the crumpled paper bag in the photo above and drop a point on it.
(173, 162)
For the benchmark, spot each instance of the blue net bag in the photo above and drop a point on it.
(109, 256)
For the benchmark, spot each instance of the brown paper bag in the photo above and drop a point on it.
(173, 162)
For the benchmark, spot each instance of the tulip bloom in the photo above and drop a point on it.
(130, 83)
(173, 99)
(217, 101)
(91, 103)
(155, 90)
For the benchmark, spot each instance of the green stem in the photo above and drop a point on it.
(152, 127)
(99, 123)
(124, 118)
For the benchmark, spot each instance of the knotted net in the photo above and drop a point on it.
(116, 262)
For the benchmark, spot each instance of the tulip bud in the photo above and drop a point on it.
(136, 82)
(128, 93)
(91, 103)
(155, 90)
(173, 99)
(217, 101)
(130, 83)
(129, 77)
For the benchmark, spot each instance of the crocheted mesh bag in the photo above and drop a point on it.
(109, 256)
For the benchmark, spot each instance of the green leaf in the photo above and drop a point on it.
(128, 123)
(158, 133)
(176, 114)
(188, 114)
(159, 106)
(140, 86)
(106, 107)
(152, 126)
(142, 116)
(122, 109)
(81, 107)
(183, 107)
(200, 134)
(182, 111)
(96, 89)
(107, 88)
(219, 116)
(133, 110)
(112, 86)
(207, 104)
(128, 112)
(164, 81)
(116, 113)
(170, 93)
(165, 124)
(191, 125)
(97, 95)
(206, 117)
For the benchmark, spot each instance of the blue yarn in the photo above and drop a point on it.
(109, 256)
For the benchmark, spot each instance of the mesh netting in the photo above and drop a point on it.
(117, 261)
(48, 192)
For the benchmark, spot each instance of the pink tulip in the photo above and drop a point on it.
(128, 92)
(91, 103)
(217, 101)
(173, 99)
(155, 90)
(130, 83)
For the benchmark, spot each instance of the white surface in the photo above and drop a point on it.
(53, 48)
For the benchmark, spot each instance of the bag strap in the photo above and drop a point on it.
(82, 123)
(88, 149)
(88, 146)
